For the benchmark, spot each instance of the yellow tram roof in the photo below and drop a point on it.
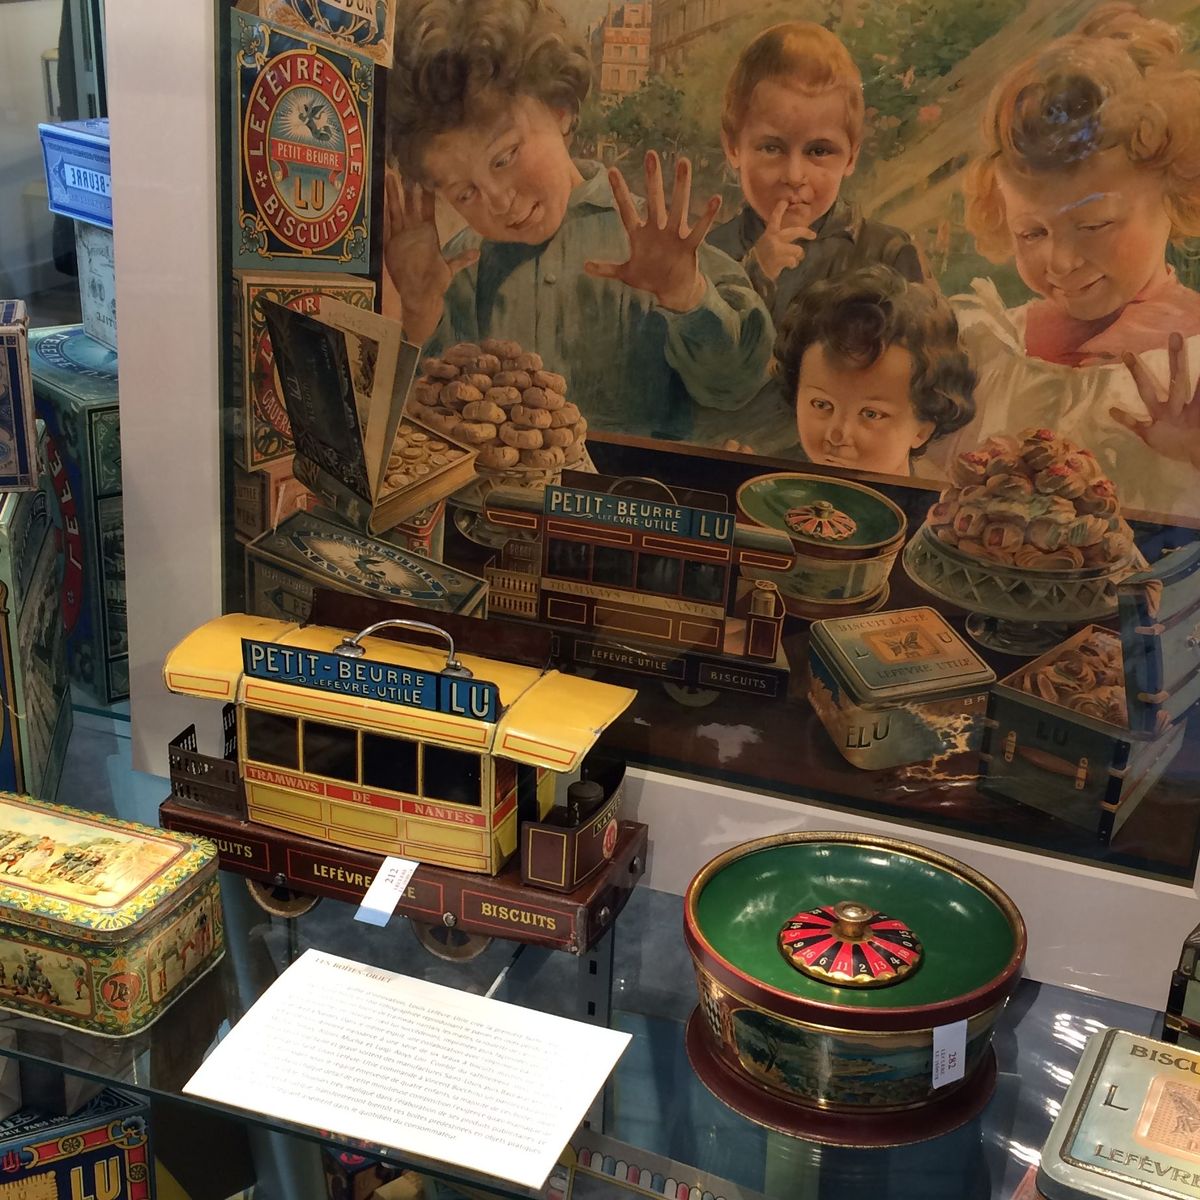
(546, 719)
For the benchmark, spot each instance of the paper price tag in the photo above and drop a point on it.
(385, 891)
(949, 1053)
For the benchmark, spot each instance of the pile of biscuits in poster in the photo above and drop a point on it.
(1035, 500)
(501, 400)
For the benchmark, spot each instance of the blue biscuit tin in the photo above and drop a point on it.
(78, 173)
(101, 1151)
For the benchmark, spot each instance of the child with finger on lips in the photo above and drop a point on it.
(792, 129)
(647, 323)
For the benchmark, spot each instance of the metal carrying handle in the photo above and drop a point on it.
(623, 479)
(349, 647)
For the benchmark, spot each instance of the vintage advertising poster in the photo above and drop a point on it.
(303, 125)
(367, 26)
(830, 372)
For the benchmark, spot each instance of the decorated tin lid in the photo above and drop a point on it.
(834, 518)
(971, 936)
(90, 876)
(1129, 1128)
(850, 945)
(904, 654)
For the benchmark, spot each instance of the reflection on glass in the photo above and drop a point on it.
(657, 573)
(704, 581)
(612, 566)
(567, 560)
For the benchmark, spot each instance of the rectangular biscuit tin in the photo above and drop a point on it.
(76, 386)
(35, 695)
(307, 550)
(102, 1151)
(1129, 1127)
(1084, 770)
(78, 174)
(895, 688)
(97, 282)
(18, 434)
(1181, 1017)
(103, 923)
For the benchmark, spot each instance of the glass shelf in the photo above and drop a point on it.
(654, 1101)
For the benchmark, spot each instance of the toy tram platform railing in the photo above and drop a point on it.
(487, 906)
(203, 779)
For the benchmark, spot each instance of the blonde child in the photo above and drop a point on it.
(1091, 167)
(792, 130)
(645, 321)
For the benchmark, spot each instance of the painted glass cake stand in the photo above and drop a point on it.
(1016, 610)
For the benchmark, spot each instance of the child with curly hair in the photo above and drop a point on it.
(645, 321)
(876, 371)
(1092, 166)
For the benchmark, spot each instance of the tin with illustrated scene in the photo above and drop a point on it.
(827, 964)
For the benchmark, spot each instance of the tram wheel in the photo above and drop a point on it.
(691, 697)
(448, 942)
(280, 901)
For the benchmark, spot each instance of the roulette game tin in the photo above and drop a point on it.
(1129, 1127)
(845, 536)
(833, 968)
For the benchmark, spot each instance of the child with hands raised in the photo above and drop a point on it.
(646, 321)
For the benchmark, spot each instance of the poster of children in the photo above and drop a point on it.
(865, 235)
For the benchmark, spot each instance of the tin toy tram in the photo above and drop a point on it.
(642, 578)
(341, 748)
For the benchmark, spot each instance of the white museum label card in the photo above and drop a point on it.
(412, 1066)
(385, 891)
(949, 1053)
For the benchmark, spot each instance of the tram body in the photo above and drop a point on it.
(391, 752)
(649, 585)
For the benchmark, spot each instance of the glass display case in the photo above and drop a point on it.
(639, 980)
(891, 528)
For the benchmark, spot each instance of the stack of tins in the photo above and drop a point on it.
(826, 964)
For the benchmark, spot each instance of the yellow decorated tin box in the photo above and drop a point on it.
(103, 923)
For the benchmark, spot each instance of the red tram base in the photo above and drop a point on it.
(491, 906)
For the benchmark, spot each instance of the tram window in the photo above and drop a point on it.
(389, 762)
(567, 560)
(612, 566)
(272, 738)
(657, 573)
(330, 750)
(704, 581)
(450, 775)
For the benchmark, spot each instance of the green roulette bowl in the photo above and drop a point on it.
(825, 963)
(845, 537)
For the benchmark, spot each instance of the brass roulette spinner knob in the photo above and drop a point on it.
(850, 945)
